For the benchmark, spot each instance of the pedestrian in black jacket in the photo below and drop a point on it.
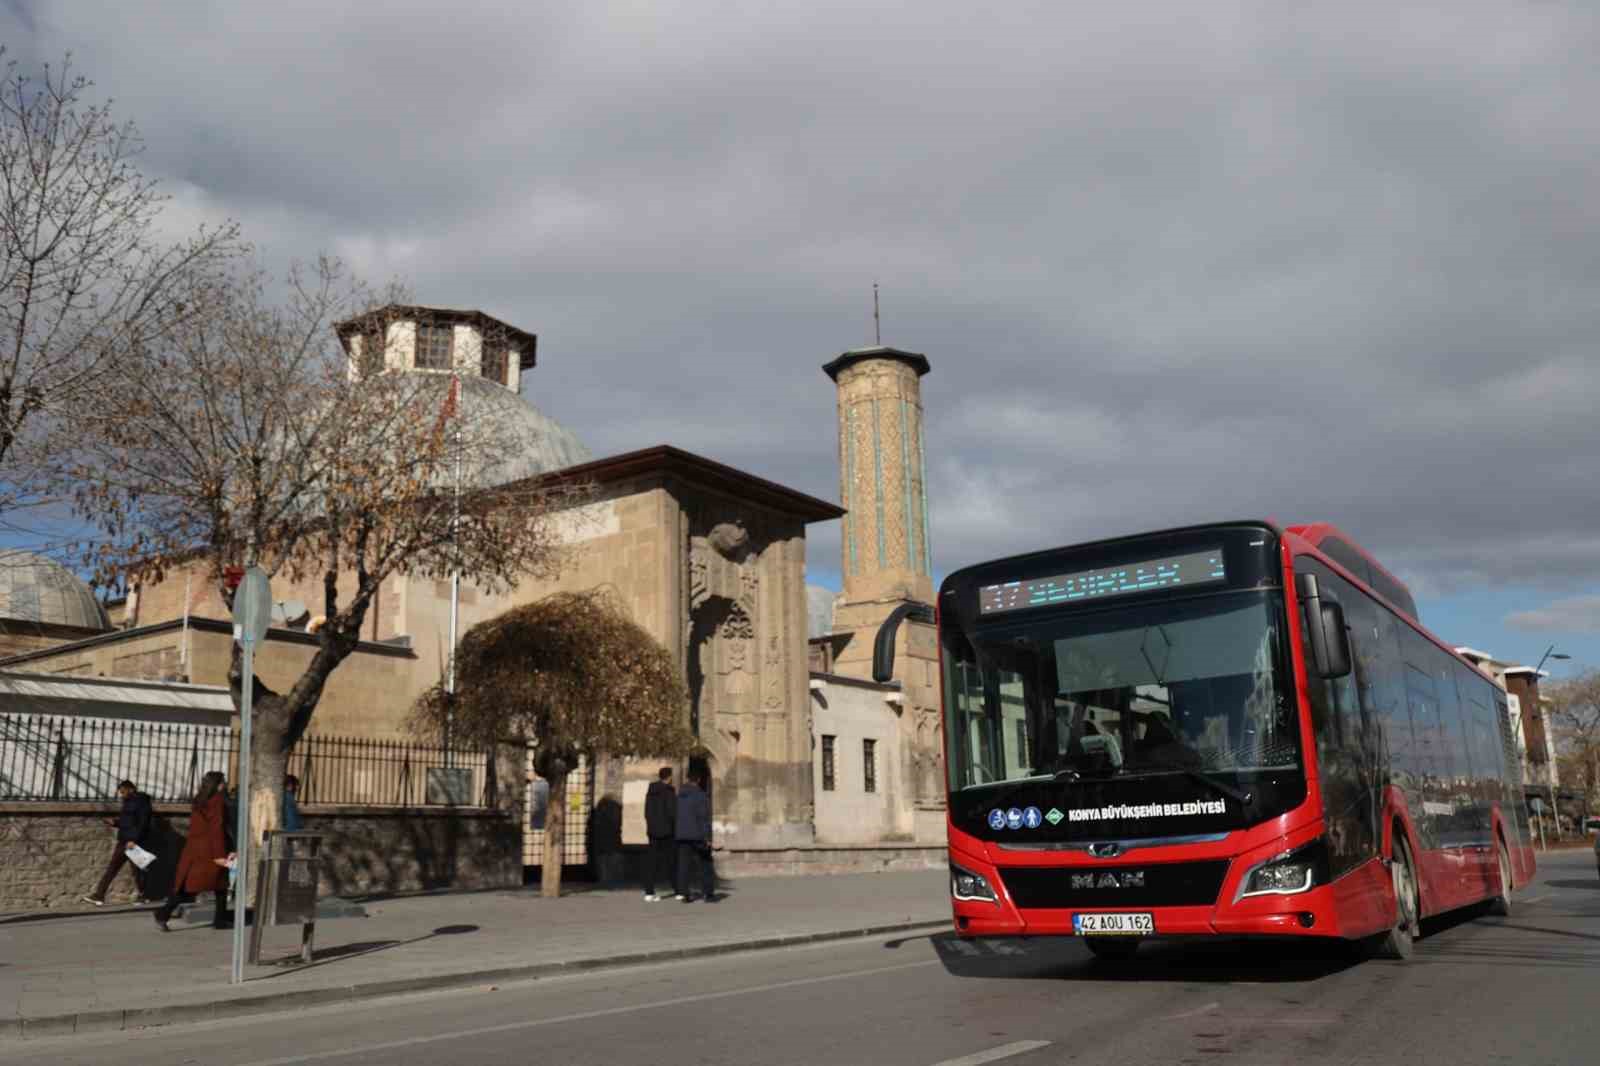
(693, 833)
(661, 825)
(133, 827)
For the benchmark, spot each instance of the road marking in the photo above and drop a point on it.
(1535, 899)
(995, 1054)
(1197, 1011)
(607, 1012)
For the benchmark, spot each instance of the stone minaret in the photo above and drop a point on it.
(885, 558)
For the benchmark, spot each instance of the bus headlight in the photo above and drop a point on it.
(1287, 873)
(964, 884)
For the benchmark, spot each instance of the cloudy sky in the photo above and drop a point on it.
(1171, 263)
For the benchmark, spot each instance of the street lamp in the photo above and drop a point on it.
(1549, 653)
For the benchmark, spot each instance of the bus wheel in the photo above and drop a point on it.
(1501, 905)
(1111, 947)
(1398, 942)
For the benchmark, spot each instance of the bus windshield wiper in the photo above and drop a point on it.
(1209, 780)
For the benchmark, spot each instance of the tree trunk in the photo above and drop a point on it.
(270, 719)
(555, 823)
(268, 765)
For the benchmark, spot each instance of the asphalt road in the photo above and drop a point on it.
(1523, 989)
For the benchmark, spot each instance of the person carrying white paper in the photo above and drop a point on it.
(133, 830)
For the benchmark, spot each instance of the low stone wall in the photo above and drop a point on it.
(53, 853)
(829, 859)
(379, 850)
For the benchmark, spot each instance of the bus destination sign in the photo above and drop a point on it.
(1194, 568)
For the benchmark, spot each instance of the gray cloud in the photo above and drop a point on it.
(1169, 265)
(1576, 614)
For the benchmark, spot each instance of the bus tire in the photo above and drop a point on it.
(1500, 905)
(1399, 941)
(1111, 948)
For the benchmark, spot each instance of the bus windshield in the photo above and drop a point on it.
(1191, 686)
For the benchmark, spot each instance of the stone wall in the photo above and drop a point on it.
(18, 637)
(735, 863)
(370, 694)
(370, 851)
(53, 853)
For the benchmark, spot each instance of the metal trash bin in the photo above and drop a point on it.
(286, 888)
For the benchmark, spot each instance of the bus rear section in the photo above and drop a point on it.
(1132, 753)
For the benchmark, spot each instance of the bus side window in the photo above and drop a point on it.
(1342, 736)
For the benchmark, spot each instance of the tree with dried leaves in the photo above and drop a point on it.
(85, 277)
(572, 675)
(1575, 714)
(252, 438)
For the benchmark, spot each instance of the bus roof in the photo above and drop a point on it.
(1339, 547)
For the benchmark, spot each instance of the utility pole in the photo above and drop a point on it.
(455, 579)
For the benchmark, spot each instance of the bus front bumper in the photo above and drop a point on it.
(1312, 912)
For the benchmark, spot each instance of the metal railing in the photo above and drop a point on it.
(389, 773)
(56, 757)
(59, 757)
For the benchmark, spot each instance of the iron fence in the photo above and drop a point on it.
(59, 757)
(389, 773)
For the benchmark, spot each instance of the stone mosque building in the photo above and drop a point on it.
(815, 762)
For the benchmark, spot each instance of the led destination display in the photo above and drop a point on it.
(1194, 568)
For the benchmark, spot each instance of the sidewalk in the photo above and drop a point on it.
(114, 969)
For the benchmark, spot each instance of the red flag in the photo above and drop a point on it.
(447, 410)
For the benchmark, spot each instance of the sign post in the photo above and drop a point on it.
(252, 613)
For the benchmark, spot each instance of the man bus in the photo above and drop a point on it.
(1234, 730)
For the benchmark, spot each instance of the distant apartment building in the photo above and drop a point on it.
(1535, 745)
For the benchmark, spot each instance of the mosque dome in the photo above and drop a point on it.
(535, 443)
(36, 589)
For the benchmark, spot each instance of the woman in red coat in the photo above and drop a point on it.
(207, 842)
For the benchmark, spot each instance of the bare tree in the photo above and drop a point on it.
(572, 675)
(254, 439)
(1575, 713)
(84, 276)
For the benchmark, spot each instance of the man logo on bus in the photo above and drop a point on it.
(1109, 879)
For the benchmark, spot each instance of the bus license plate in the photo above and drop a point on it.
(1113, 924)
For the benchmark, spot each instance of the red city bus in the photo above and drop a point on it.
(1223, 730)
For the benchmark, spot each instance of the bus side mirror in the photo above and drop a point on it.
(1329, 639)
(1334, 647)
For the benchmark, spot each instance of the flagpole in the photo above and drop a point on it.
(455, 579)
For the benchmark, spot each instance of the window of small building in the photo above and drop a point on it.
(435, 347)
(494, 363)
(827, 763)
(370, 359)
(869, 765)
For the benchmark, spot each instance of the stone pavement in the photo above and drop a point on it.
(114, 969)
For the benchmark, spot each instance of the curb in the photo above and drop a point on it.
(102, 1021)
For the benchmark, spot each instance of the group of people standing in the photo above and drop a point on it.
(208, 850)
(678, 822)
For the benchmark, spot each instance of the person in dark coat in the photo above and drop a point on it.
(292, 822)
(661, 826)
(133, 828)
(693, 833)
(198, 870)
